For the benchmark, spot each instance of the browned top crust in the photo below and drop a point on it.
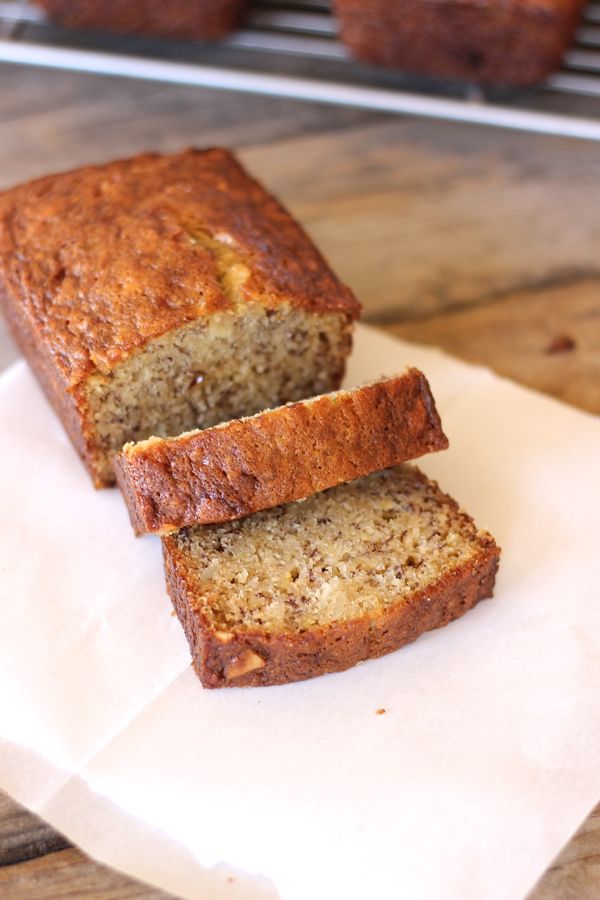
(105, 258)
(278, 456)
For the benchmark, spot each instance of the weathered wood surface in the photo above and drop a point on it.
(69, 873)
(547, 339)
(575, 874)
(480, 241)
(24, 836)
(422, 217)
(56, 120)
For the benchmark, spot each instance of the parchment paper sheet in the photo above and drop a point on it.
(488, 755)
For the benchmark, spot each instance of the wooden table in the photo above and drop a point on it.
(481, 242)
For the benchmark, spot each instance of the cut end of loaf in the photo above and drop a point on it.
(318, 586)
(214, 369)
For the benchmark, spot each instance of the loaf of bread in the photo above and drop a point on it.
(504, 42)
(188, 19)
(281, 455)
(314, 587)
(160, 294)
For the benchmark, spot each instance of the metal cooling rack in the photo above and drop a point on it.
(299, 36)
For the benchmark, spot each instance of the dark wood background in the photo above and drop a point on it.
(477, 240)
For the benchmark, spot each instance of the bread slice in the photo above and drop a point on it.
(162, 293)
(313, 587)
(278, 456)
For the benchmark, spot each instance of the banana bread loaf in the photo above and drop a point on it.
(313, 587)
(278, 456)
(505, 42)
(159, 294)
(189, 19)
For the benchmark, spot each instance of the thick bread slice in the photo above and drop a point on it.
(284, 454)
(314, 587)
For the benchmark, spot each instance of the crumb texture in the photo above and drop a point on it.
(318, 585)
(336, 556)
(220, 368)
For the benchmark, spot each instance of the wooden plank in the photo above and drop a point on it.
(575, 875)
(52, 121)
(420, 217)
(548, 340)
(23, 835)
(69, 873)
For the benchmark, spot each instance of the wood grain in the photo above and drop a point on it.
(24, 836)
(575, 874)
(547, 339)
(69, 873)
(421, 217)
(52, 121)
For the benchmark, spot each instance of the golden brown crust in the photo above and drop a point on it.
(281, 455)
(103, 259)
(254, 658)
(187, 19)
(490, 41)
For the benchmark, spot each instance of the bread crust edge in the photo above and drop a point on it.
(279, 456)
(254, 659)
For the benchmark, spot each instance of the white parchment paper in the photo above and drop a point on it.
(486, 759)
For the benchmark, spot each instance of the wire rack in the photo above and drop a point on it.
(291, 49)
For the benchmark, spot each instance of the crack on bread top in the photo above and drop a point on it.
(232, 268)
